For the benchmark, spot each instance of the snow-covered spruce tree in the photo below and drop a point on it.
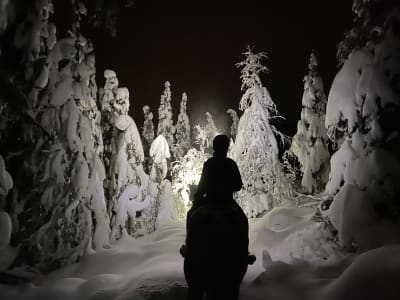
(235, 123)
(108, 99)
(182, 132)
(165, 123)
(148, 128)
(310, 143)
(107, 96)
(211, 132)
(362, 118)
(256, 148)
(147, 136)
(70, 216)
(129, 182)
(25, 86)
(162, 208)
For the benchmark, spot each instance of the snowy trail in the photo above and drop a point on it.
(301, 266)
(153, 261)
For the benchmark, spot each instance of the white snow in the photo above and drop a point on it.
(300, 260)
(167, 212)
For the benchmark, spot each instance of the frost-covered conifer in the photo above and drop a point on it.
(211, 131)
(108, 96)
(148, 129)
(200, 137)
(362, 117)
(34, 37)
(129, 182)
(256, 147)
(165, 124)
(162, 208)
(73, 216)
(309, 144)
(235, 122)
(182, 133)
(147, 137)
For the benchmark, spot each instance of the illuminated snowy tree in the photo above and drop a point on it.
(309, 144)
(148, 129)
(200, 137)
(108, 96)
(362, 118)
(128, 180)
(210, 131)
(235, 123)
(162, 208)
(73, 215)
(147, 136)
(165, 124)
(256, 147)
(186, 175)
(182, 133)
(31, 91)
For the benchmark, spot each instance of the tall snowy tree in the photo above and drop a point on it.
(147, 136)
(310, 143)
(362, 118)
(148, 129)
(256, 147)
(165, 123)
(182, 132)
(66, 205)
(211, 131)
(108, 96)
(29, 86)
(129, 182)
(162, 208)
(62, 214)
(235, 123)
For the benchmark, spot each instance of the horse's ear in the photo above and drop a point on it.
(266, 259)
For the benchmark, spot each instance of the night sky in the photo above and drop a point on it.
(196, 44)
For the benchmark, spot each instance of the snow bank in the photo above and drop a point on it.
(372, 275)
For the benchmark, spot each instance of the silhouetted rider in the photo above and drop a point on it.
(216, 250)
(220, 177)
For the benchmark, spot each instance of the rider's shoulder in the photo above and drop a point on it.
(231, 161)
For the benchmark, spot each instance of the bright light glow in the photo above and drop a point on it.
(187, 173)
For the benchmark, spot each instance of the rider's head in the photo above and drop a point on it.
(221, 145)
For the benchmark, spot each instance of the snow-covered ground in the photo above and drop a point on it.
(295, 260)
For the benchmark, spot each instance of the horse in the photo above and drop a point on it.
(216, 251)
